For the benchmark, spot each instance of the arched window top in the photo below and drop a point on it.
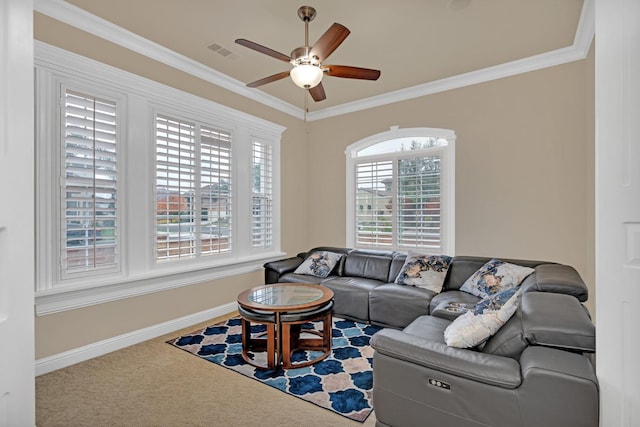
(400, 191)
(401, 144)
(398, 140)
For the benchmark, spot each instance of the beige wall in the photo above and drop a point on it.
(64, 331)
(524, 162)
(524, 177)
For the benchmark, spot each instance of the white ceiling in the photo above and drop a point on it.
(415, 43)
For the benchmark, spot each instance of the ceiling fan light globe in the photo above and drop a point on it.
(306, 76)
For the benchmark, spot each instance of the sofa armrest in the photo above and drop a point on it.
(536, 359)
(486, 368)
(275, 269)
(561, 382)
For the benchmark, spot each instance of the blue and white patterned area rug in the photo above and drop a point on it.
(342, 382)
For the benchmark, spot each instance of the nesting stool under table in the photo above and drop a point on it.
(283, 308)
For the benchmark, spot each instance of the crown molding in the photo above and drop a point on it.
(577, 51)
(83, 20)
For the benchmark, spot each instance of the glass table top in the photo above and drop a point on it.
(285, 295)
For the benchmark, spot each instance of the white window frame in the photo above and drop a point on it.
(59, 149)
(447, 183)
(198, 125)
(139, 99)
(269, 192)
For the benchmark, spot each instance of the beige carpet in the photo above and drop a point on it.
(155, 384)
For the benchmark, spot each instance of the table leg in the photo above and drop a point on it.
(278, 340)
(271, 346)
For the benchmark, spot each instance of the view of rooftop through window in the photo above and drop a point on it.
(90, 183)
(193, 189)
(398, 193)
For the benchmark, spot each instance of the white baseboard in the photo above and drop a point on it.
(71, 357)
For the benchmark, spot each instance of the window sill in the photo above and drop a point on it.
(58, 300)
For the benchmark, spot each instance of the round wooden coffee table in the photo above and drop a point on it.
(283, 307)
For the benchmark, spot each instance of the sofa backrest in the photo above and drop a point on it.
(557, 278)
(370, 264)
(386, 265)
(396, 266)
(462, 267)
(339, 268)
(509, 341)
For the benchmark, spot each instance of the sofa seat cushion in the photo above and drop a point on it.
(428, 327)
(395, 306)
(351, 296)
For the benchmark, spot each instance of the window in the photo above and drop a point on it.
(405, 179)
(89, 198)
(142, 187)
(193, 189)
(262, 202)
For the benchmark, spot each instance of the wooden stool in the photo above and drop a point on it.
(268, 344)
(290, 334)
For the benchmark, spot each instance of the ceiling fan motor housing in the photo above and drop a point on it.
(306, 13)
(301, 55)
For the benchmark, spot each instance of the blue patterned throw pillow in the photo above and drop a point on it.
(424, 271)
(483, 320)
(318, 264)
(495, 276)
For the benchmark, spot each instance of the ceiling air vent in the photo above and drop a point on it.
(221, 50)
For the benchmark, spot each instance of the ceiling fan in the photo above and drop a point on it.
(308, 70)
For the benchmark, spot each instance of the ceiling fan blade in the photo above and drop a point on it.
(329, 41)
(262, 49)
(317, 92)
(351, 72)
(269, 79)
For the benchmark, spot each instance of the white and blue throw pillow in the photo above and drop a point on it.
(483, 320)
(494, 277)
(424, 271)
(318, 264)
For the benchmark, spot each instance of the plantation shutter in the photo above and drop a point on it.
(215, 191)
(90, 223)
(374, 207)
(175, 188)
(418, 202)
(262, 203)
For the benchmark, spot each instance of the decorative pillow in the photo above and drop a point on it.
(495, 276)
(483, 320)
(318, 264)
(424, 271)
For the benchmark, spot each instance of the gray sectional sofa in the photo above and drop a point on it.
(364, 290)
(538, 369)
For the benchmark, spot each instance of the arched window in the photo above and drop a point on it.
(400, 191)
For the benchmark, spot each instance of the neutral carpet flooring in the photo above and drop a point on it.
(156, 384)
